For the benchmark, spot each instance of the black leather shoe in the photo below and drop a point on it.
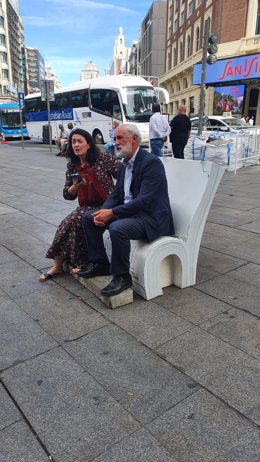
(118, 284)
(96, 269)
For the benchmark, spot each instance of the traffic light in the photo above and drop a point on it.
(212, 48)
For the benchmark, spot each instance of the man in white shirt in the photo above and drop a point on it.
(159, 129)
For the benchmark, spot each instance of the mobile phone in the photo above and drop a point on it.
(76, 176)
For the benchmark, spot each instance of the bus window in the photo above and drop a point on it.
(61, 101)
(139, 103)
(32, 105)
(79, 98)
(105, 101)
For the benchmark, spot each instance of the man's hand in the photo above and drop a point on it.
(101, 217)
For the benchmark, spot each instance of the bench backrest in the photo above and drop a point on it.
(192, 186)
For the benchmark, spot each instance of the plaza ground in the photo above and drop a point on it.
(174, 379)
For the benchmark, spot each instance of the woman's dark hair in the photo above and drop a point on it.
(93, 151)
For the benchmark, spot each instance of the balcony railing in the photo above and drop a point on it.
(249, 44)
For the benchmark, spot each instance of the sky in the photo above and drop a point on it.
(70, 33)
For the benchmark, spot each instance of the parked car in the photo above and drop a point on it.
(219, 123)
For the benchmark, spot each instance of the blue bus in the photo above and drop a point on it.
(10, 123)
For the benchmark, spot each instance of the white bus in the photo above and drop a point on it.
(94, 105)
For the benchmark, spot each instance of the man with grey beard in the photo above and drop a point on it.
(138, 209)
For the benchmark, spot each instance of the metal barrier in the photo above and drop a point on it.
(233, 149)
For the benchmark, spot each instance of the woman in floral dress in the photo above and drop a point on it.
(89, 178)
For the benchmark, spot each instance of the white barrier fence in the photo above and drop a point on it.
(233, 150)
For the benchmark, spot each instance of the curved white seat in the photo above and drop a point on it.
(173, 259)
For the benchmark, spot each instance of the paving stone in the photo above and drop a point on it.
(136, 448)
(43, 231)
(20, 337)
(143, 383)
(254, 226)
(14, 219)
(69, 410)
(54, 218)
(234, 291)
(61, 314)
(236, 202)
(148, 322)
(230, 374)
(6, 256)
(248, 250)
(18, 278)
(8, 412)
(240, 329)
(230, 217)
(219, 237)
(191, 304)
(204, 274)
(248, 273)
(4, 209)
(203, 428)
(19, 444)
(217, 261)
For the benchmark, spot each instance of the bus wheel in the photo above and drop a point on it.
(97, 137)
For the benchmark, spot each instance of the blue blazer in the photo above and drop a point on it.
(150, 196)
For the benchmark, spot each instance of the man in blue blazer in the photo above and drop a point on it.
(138, 209)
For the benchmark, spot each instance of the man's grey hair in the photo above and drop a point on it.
(131, 128)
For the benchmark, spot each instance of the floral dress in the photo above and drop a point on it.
(69, 240)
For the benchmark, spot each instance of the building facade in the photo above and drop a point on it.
(237, 23)
(49, 75)
(89, 71)
(152, 40)
(11, 40)
(35, 69)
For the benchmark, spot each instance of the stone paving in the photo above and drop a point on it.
(175, 379)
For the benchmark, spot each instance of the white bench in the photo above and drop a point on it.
(173, 259)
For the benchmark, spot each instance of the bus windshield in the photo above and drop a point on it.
(11, 119)
(139, 103)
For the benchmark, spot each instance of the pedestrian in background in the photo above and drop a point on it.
(110, 146)
(180, 132)
(62, 138)
(158, 130)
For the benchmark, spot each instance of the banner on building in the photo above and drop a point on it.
(228, 99)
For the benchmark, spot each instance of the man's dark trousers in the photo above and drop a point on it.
(178, 149)
(121, 232)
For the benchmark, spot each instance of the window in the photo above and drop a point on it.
(106, 102)
(257, 31)
(190, 8)
(2, 22)
(176, 25)
(197, 39)
(61, 101)
(189, 51)
(2, 39)
(5, 74)
(182, 17)
(175, 60)
(185, 83)
(169, 61)
(3, 57)
(79, 98)
(199, 2)
(181, 52)
(192, 105)
(178, 87)
(176, 5)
